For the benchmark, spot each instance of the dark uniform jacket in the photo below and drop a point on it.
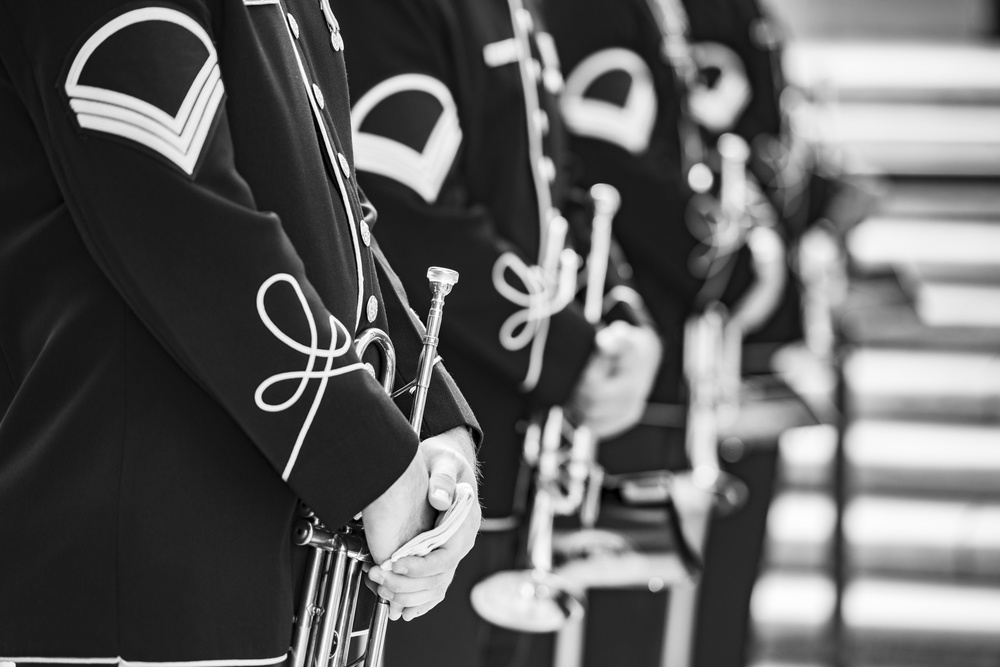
(185, 260)
(742, 27)
(624, 107)
(784, 167)
(459, 145)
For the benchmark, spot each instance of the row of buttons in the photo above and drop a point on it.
(337, 42)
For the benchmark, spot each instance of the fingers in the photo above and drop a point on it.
(409, 597)
(400, 512)
(411, 613)
(448, 462)
(443, 478)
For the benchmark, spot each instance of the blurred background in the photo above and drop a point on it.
(882, 542)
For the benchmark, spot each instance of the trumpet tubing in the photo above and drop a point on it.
(566, 479)
(325, 614)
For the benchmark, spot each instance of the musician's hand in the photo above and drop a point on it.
(416, 584)
(611, 395)
(451, 458)
(400, 513)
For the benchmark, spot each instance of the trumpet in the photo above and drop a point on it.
(713, 339)
(565, 482)
(324, 619)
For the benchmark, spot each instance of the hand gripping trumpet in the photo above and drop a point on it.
(565, 482)
(325, 615)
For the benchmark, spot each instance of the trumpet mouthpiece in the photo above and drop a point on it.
(442, 276)
(605, 197)
(733, 147)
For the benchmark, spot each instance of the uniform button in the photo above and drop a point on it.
(536, 70)
(553, 80)
(366, 233)
(337, 40)
(294, 25)
(525, 20)
(344, 167)
(542, 120)
(547, 168)
(372, 308)
(700, 177)
(319, 96)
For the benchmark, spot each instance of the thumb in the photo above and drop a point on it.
(443, 477)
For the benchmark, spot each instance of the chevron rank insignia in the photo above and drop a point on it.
(406, 128)
(151, 76)
(609, 96)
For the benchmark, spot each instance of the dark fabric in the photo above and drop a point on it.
(756, 37)
(659, 226)
(141, 446)
(732, 562)
(758, 40)
(485, 208)
(622, 627)
(451, 635)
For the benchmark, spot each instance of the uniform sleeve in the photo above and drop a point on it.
(162, 210)
(410, 149)
(620, 106)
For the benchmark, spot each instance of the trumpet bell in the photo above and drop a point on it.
(528, 600)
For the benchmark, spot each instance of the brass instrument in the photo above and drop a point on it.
(325, 615)
(566, 480)
(713, 339)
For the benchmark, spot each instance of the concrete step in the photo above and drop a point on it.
(806, 457)
(792, 612)
(907, 139)
(929, 246)
(923, 384)
(927, 314)
(944, 199)
(896, 325)
(917, 614)
(887, 19)
(800, 530)
(942, 538)
(901, 71)
(924, 457)
(958, 304)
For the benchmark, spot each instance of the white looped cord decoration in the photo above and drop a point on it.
(541, 300)
(340, 343)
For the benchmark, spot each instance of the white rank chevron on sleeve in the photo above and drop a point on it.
(178, 136)
(627, 124)
(376, 151)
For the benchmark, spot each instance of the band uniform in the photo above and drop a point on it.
(626, 106)
(460, 145)
(185, 260)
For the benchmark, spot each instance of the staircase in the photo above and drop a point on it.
(883, 541)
